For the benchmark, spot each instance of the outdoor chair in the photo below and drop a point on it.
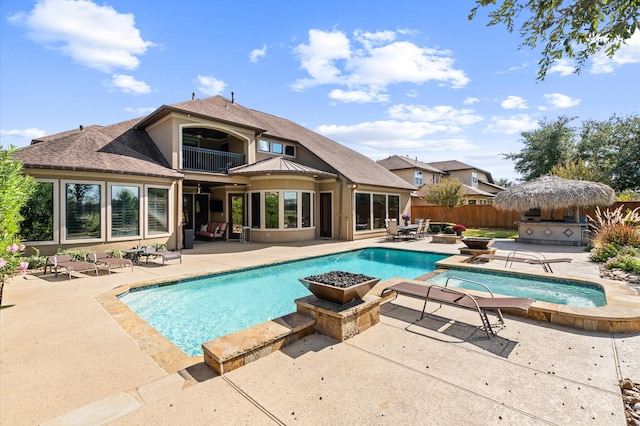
(393, 229)
(65, 263)
(165, 255)
(110, 262)
(521, 256)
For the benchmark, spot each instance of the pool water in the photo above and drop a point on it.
(195, 311)
(562, 292)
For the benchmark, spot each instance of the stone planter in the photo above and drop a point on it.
(477, 243)
(446, 238)
(339, 287)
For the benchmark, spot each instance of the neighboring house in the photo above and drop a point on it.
(478, 184)
(144, 180)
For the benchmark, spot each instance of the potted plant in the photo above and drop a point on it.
(406, 218)
(458, 229)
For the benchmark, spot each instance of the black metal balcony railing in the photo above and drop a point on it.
(210, 160)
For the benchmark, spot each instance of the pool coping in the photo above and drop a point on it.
(620, 315)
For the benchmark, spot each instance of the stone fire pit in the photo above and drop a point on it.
(338, 286)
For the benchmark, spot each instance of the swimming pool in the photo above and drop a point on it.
(562, 292)
(195, 311)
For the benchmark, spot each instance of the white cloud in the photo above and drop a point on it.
(210, 86)
(24, 133)
(564, 67)
(522, 66)
(98, 37)
(510, 125)
(128, 84)
(514, 102)
(443, 114)
(257, 54)
(559, 100)
(470, 101)
(138, 111)
(358, 96)
(628, 53)
(377, 61)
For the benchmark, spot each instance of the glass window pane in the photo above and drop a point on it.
(379, 210)
(37, 224)
(363, 211)
(306, 209)
(125, 211)
(417, 180)
(276, 148)
(83, 219)
(157, 210)
(291, 209)
(255, 210)
(394, 207)
(290, 150)
(271, 218)
(263, 146)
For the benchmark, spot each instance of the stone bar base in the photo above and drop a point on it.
(234, 350)
(341, 322)
(477, 252)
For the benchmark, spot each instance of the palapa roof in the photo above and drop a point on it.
(278, 165)
(118, 148)
(551, 192)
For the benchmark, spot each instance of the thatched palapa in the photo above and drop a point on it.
(553, 192)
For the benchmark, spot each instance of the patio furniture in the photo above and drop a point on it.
(393, 231)
(211, 231)
(66, 263)
(109, 261)
(165, 255)
(461, 299)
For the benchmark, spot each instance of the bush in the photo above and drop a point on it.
(625, 262)
(604, 253)
(77, 254)
(619, 234)
(435, 228)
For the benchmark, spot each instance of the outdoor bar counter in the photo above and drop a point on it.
(555, 233)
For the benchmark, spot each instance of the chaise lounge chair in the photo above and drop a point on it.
(165, 255)
(461, 299)
(68, 265)
(521, 256)
(110, 262)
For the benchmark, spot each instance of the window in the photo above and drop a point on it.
(271, 208)
(379, 210)
(125, 211)
(471, 202)
(83, 211)
(290, 150)
(255, 210)
(394, 207)
(40, 215)
(291, 209)
(157, 211)
(264, 146)
(276, 148)
(306, 209)
(363, 211)
(417, 178)
(474, 178)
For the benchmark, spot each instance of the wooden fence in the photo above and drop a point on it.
(487, 216)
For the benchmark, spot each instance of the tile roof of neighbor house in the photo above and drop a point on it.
(453, 165)
(356, 167)
(114, 149)
(277, 165)
(396, 162)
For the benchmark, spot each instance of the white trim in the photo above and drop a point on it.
(109, 198)
(55, 184)
(63, 211)
(170, 227)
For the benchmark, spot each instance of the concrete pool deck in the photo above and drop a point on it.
(65, 360)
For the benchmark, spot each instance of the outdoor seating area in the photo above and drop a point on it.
(211, 231)
(102, 258)
(65, 264)
(417, 231)
(162, 254)
(521, 256)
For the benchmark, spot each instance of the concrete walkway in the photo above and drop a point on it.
(65, 360)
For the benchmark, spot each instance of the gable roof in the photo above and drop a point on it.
(455, 165)
(396, 162)
(118, 148)
(277, 165)
(357, 168)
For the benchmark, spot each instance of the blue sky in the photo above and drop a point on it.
(413, 78)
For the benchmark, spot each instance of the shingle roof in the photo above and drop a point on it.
(277, 165)
(356, 167)
(115, 149)
(453, 165)
(396, 162)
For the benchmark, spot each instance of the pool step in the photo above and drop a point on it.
(234, 350)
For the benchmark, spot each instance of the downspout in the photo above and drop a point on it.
(340, 210)
(179, 222)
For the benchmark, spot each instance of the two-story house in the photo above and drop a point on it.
(183, 165)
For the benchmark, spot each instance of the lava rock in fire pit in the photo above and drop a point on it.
(340, 279)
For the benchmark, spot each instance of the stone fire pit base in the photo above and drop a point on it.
(340, 322)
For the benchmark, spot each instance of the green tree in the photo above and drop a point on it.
(504, 182)
(578, 170)
(15, 190)
(553, 143)
(566, 29)
(447, 193)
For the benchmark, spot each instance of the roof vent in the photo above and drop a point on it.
(233, 99)
(193, 95)
(81, 127)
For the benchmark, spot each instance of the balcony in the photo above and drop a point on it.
(209, 160)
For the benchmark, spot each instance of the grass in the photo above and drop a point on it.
(491, 233)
